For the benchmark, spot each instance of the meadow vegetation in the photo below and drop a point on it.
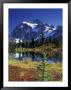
(28, 70)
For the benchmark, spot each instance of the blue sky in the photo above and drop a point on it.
(49, 16)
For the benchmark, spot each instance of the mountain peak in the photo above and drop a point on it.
(32, 30)
(33, 25)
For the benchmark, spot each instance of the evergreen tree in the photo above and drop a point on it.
(33, 43)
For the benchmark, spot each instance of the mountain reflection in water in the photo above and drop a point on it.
(35, 57)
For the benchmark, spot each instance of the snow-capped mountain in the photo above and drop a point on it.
(35, 29)
(32, 25)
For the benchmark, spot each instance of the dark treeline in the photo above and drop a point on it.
(32, 44)
(57, 42)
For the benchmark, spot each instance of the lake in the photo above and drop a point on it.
(35, 56)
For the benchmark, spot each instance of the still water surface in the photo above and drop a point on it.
(35, 57)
